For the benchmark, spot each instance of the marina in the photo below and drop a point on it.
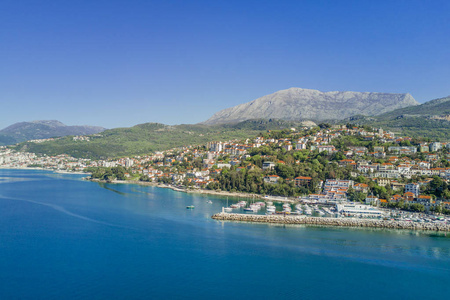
(81, 240)
(341, 222)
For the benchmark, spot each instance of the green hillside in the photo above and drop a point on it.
(429, 120)
(43, 129)
(149, 137)
(435, 107)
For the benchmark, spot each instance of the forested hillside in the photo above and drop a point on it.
(150, 137)
(429, 120)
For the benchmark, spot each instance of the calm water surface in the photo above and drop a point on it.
(64, 238)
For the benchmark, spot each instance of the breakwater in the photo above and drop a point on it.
(344, 222)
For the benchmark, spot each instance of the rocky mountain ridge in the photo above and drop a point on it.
(297, 104)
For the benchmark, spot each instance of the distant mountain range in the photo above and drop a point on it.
(296, 104)
(149, 137)
(24, 131)
(431, 120)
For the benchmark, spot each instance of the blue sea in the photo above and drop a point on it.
(65, 238)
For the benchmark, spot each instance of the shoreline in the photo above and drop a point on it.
(183, 190)
(44, 169)
(335, 222)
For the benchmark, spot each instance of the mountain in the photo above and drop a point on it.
(304, 104)
(145, 138)
(431, 120)
(434, 109)
(24, 131)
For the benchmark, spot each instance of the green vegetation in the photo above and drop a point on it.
(109, 173)
(25, 131)
(149, 137)
(415, 207)
(35, 166)
(251, 182)
(426, 120)
(318, 166)
(248, 176)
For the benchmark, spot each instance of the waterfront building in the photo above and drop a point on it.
(334, 184)
(351, 209)
(371, 200)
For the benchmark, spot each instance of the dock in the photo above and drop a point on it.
(341, 222)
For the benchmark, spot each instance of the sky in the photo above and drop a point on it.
(121, 63)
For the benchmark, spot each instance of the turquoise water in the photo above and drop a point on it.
(64, 238)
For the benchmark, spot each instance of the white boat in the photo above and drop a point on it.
(271, 209)
(228, 209)
(287, 209)
(255, 207)
(251, 209)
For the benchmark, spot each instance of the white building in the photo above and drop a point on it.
(268, 165)
(271, 178)
(352, 209)
(413, 188)
(436, 146)
(372, 200)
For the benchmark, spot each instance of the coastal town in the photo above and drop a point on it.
(331, 166)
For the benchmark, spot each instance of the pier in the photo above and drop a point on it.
(343, 222)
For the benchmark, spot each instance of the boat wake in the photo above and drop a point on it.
(65, 211)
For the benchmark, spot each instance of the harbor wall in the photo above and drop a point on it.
(344, 222)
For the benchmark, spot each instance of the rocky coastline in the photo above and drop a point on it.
(341, 222)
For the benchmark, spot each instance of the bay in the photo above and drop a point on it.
(65, 238)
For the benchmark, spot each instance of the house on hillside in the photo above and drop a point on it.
(268, 165)
(271, 179)
(302, 180)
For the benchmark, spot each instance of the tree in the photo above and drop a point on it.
(284, 171)
(361, 179)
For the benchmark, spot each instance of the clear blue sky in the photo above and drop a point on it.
(120, 63)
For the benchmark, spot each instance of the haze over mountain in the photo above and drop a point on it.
(24, 131)
(305, 104)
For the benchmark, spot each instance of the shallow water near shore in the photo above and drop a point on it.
(62, 237)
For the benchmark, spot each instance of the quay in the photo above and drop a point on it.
(343, 222)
